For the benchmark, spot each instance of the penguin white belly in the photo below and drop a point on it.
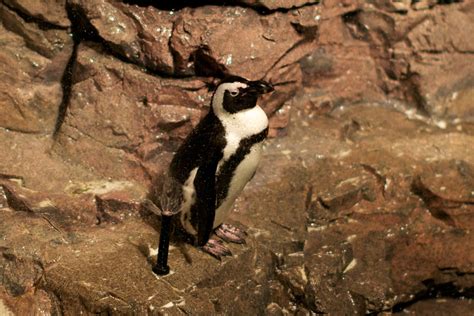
(242, 174)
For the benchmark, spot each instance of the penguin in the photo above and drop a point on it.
(217, 159)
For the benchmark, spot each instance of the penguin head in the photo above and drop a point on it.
(234, 94)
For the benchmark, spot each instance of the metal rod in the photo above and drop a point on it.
(161, 267)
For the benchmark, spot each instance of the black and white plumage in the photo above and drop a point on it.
(220, 155)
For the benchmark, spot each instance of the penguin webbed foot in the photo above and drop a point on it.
(231, 233)
(216, 248)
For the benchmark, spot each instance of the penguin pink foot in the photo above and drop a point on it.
(231, 233)
(216, 248)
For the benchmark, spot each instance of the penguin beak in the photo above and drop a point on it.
(260, 87)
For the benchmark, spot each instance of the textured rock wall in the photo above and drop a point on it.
(364, 201)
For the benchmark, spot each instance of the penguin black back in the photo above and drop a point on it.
(207, 136)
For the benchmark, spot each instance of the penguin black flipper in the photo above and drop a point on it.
(202, 149)
(205, 206)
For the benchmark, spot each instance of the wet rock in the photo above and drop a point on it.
(33, 62)
(49, 11)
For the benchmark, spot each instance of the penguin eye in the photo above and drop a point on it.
(234, 93)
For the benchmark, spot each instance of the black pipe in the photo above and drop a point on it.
(161, 267)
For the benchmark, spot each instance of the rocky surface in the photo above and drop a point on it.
(364, 201)
(33, 60)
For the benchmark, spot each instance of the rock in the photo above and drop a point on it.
(138, 34)
(334, 71)
(441, 306)
(133, 110)
(356, 235)
(385, 46)
(361, 204)
(49, 11)
(38, 300)
(250, 56)
(34, 61)
(47, 42)
(279, 4)
(401, 6)
(193, 41)
(447, 96)
(339, 231)
(424, 4)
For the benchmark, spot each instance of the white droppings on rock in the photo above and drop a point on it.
(441, 124)
(46, 203)
(228, 60)
(302, 272)
(98, 187)
(152, 252)
(259, 232)
(350, 266)
(159, 277)
(4, 310)
(351, 238)
(168, 305)
(317, 229)
(351, 181)
(342, 154)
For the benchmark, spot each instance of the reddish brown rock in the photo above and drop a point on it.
(443, 306)
(33, 62)
(278, 4)
(336, 67)
(118, 114)
(358, 209)
(34, 300)
(448, 58)
(249, 52)
(50, 11)
(396, 55)
(195, 41)
(138, 34)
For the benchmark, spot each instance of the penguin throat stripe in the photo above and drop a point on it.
(228, 168)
